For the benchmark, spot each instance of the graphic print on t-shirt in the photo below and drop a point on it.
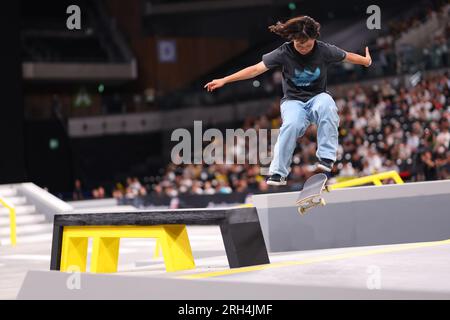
(305, 77)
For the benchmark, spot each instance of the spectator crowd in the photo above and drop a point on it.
(393, 125)
(382, 127)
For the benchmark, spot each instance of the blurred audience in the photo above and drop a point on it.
(384, 127)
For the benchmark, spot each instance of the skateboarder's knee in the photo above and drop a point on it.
(326, 104)
(326, 99)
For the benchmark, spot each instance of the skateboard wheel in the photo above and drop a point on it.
(301, 211)
(323, 202)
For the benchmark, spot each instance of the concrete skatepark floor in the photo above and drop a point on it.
(411, 267)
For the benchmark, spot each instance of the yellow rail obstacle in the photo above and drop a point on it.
(240, 228)
(376, 179)
(12, 220)
(173, 240)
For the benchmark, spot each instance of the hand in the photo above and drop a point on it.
(215, 84)
(368, 58)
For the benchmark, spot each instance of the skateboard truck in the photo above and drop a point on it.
(311, 195)
(313, 203)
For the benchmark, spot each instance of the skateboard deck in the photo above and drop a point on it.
(311, 194)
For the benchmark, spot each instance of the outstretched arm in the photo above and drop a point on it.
(247, 73)
(358, 59)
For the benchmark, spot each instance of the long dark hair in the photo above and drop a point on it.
(299, 28)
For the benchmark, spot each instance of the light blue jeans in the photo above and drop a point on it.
(297, 116)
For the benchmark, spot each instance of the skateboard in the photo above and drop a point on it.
(311, 194)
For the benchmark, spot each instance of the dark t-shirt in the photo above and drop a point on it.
(304, 76)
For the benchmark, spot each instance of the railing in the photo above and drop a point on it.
(12, 220)
(376, 179)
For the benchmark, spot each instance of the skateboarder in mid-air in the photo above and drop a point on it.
(304, 61)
